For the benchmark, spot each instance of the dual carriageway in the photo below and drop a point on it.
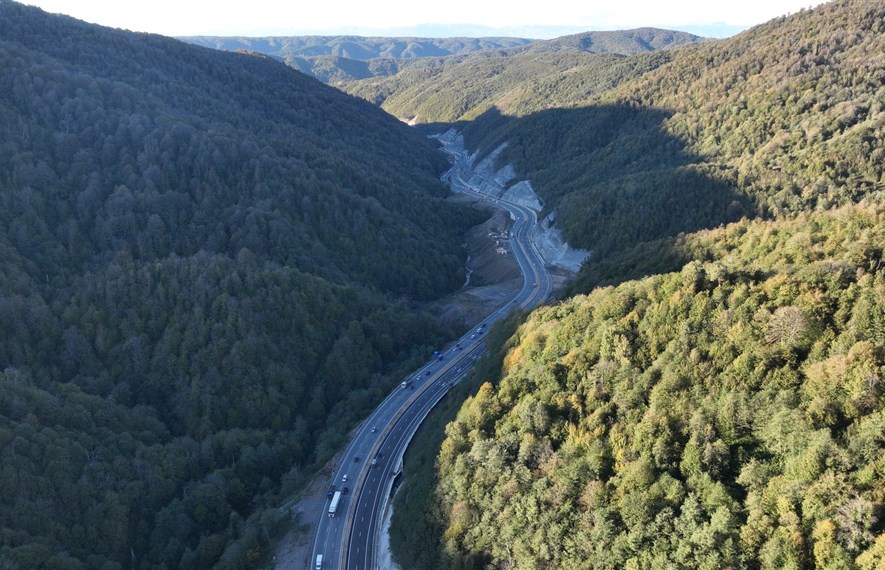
(373, 458)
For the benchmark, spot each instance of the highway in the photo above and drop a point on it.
(373, 458)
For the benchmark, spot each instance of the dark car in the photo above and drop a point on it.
(356, 459)
(345, 491)
(331, 491)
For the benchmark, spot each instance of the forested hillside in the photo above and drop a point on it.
(720, 403)
(335, 59)
(727, 415)
(517, 80)
(784, 117)
(623, 42)
(210, 264)
(462, 89)
(782, 129)
(340, 60)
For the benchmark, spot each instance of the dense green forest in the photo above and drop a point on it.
(710, 398)
(726, 415)
(211, 269)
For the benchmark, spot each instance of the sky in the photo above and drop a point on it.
(537, 19)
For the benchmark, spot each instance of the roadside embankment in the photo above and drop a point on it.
(500, 181)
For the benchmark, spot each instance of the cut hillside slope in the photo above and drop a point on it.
(785, 117)
(782, 118)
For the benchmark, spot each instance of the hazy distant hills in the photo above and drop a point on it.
(461, 89)
(623, 42)
(516, 80)
(209, 264)
(337, 59)
(343, 58)
(356, 47)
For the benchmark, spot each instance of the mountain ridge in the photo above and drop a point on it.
(339, 59)
(213, 266)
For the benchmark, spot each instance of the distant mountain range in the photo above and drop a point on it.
(336, 59)
(356, 47)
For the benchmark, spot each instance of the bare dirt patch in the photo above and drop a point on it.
(494, 276)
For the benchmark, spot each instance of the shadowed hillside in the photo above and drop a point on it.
(618, 177)
(792, 130)
(209, 269)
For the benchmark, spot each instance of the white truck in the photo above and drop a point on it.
(319, 565)
(333, 506)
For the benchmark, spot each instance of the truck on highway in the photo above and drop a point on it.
(333, 506)
(405, 384)
(319, 565)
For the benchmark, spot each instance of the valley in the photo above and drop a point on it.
(607, 300)
(349, 540)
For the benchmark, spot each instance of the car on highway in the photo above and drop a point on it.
(350, 537)
(344, 479)
(356, 459)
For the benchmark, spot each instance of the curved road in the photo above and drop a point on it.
(348, 540)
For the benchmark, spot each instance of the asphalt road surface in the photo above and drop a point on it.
(373, 458)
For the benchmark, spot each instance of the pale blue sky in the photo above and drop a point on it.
(544, 18)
